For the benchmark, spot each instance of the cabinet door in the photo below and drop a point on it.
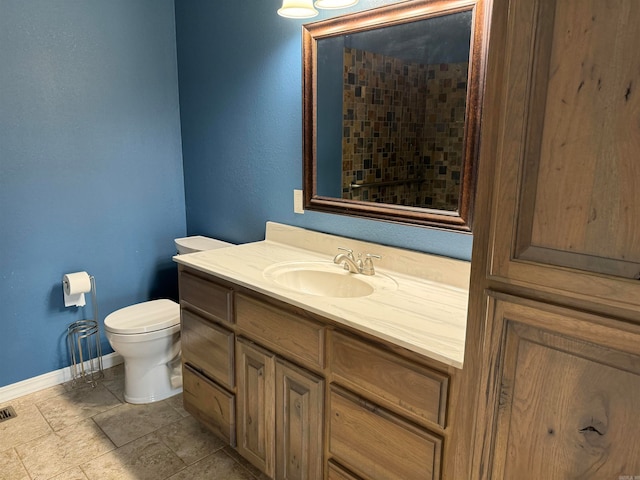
(299, 401)
(568, 201)
(256, 401)
(563, 395)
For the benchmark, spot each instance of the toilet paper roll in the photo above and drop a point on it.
(74, 286)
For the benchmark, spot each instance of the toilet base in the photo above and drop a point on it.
(149, 385)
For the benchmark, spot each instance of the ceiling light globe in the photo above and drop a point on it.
(297, 9)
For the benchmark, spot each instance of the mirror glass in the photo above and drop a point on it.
(389, 114)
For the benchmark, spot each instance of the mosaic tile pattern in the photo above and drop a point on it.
(403, 129)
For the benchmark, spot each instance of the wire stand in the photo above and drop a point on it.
(83, 341)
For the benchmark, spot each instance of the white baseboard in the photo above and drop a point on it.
(50, 379)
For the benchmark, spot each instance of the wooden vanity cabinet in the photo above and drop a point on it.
(301, 398)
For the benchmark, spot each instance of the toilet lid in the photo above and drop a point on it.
(144, 317)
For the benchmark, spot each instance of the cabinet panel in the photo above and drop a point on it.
(379, 444)
(210, 404)
(299, 420)
(414, 389)
(285, 333)
(208, 347)
(568, 202)
(565, 407)
(587, 169)
(256, 402)
(207, 296)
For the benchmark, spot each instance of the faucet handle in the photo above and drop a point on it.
(367, 268)
(349, 252)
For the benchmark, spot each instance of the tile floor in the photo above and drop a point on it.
(84, 433)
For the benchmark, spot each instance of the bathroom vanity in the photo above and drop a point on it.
(356, 385)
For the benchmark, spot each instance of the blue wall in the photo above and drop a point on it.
(91, 173)
(240, 80)
(90, 165)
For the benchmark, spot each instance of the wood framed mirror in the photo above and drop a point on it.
(391, 112)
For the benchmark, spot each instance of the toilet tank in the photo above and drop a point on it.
(198, 243)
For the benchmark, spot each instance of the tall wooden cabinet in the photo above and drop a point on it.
(559, 347)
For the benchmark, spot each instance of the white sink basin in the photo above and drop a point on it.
(326, 279)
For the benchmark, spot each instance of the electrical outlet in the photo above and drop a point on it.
(297, 202)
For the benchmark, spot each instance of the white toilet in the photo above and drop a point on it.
(147, 336)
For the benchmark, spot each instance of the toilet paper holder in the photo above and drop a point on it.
(83, 342)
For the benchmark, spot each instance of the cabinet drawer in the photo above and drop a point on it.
(210, 404)
(282, 331)
(378, 444)
(209, 297)
(413, 389)
(209, 347)
(335, 472)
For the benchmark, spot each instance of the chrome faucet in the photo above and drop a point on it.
(353, 265)
(347, 260)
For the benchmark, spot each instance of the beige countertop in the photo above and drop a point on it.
(426, 313)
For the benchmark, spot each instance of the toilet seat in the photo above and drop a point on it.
(145, 317)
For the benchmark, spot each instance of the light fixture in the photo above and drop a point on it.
(297, 9)
(329, 4)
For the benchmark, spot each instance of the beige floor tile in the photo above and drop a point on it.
(176, 402)
(190, 440)
(114, 381)
(216, 466)
(75, 473)
(28, 425)
(60, 451)
(115, 372)
(146, 458)
(11, 467)
(77, 404)
(128, 422)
